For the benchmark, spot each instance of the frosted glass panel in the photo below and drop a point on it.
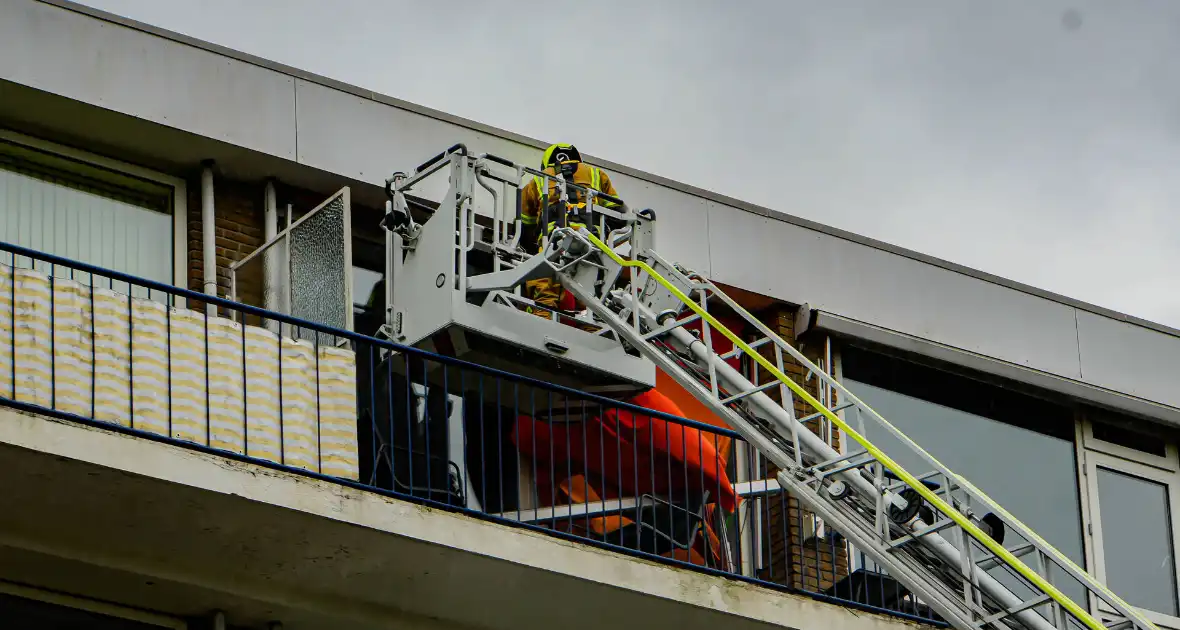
(321, 267)
(61, 217)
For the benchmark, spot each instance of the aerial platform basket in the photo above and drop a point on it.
(457, 278)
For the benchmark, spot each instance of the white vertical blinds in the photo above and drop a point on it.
(50, 213)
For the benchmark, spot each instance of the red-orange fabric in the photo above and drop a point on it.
(623, 453)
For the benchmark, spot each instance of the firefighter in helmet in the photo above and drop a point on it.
(542, 193)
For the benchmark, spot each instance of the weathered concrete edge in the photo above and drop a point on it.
(857, 330)
(285, 490)
(649, 177)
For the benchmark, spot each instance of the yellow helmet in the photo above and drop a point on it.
(558, 154)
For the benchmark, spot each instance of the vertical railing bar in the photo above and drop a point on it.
(245, 394)
(374, 451)
(516, 432)
(586, 465)
(536, 489)
(168, 358)
(446, 426)
(785, 519)
(389, 413)
(409, 432)
(634, 469)
(208, 379)
(552, 464)
(707, 546)
(602, 411)
(465, 481)
(410, 419)
(500, 441)
(483, 445)
(319, 440)
(687, 490)
(282, 424)
(602, 462)
(651, 444)
(569, 463)
(53, 340)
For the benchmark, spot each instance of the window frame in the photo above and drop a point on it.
(74, 161)
(1169, 462)
(1093, 515)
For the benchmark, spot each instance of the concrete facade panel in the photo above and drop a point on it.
(1127, 358)
(142, 75)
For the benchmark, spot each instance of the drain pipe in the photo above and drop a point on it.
(270, 226)
(208, 249)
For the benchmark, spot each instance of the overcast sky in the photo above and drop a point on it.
(1037, 140)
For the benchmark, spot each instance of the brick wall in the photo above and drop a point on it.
(812, 563)
(238, 227)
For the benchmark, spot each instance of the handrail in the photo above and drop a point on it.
(910, 480)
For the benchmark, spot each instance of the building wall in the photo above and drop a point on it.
(57, 48)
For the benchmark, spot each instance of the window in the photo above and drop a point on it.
(1136, 516)
(1132, 478)
(363, 283)
(64, 202)
(1018, 449)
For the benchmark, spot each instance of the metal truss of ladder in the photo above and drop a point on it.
(952, 546)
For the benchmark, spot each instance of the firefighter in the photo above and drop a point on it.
(565, 158)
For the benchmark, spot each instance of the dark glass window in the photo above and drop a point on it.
(1017, 448)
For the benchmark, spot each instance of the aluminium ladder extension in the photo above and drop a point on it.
(934, 532)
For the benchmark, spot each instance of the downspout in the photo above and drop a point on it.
(270, 227)
(208, 241)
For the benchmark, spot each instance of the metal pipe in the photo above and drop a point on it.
(208, 241)
(270, 227)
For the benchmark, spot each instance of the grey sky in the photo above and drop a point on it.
(1037, 140)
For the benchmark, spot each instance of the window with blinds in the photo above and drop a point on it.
(79, 211)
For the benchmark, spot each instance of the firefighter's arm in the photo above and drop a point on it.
(530, 215)
(608, 187)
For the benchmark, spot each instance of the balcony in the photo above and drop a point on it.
(155, 430)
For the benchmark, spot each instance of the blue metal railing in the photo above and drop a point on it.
(422, 427)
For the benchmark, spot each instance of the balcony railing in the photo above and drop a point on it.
(139, 357)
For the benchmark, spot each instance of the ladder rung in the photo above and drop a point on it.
(817, 415)
(930, 529)
(848, 465)
(1120, 624)
(933, 485)
(837, 460)
(992, 562)
(1023, 606)
(749, 392)
(663, 330)
(736, 352)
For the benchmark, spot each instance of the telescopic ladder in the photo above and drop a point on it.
(955, 548)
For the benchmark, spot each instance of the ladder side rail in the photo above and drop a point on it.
(982, 538)
(1015, 525)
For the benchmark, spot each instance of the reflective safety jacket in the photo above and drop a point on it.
(589, 176)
